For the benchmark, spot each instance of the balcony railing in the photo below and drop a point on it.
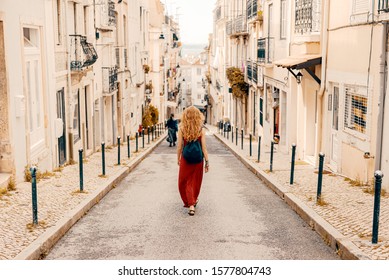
(265, 50)
(82, 53)
(240, 24)
(110, 79)
(383, 6)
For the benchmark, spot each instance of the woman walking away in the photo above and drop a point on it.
(191, 153)
(172, 130)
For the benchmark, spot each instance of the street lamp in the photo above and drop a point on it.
(299, 77)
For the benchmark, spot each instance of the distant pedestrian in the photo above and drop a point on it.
(191, 139)
(172, 126)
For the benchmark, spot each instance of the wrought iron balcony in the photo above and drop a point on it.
(240, 24)
(110, 79)
(82, 53)
(383, 6)
(265, 50)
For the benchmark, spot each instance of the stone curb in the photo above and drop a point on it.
(332, 237)
(41, 246)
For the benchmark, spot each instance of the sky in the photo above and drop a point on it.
(195, 18)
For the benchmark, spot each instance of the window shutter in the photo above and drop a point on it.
(360, 6)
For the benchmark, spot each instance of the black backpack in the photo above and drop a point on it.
(193, 152)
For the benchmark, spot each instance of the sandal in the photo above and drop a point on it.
(191, 212)
(197, 201)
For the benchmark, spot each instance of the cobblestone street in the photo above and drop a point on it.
(346, 215)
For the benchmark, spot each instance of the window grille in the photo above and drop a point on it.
(355, 112)
(307, 16)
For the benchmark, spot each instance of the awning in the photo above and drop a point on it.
(299, 62)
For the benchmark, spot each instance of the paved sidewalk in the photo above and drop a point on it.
(344, 222)
(60, 203)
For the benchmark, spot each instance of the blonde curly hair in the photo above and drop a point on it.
(191, 123)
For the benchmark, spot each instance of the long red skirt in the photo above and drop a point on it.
(190, 177)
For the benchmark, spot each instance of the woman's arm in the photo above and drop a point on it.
(180, 144)
(205, 151)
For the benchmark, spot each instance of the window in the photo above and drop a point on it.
(269, 99)
(76, 118)
(360, 11)
(270, 22)
(58, 21)
(34, 89)
(335, 112)
(283, 20)
(307, 16)
(360, 6)
(261, 111)
(355, 112)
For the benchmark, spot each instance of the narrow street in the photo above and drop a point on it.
(237, 217)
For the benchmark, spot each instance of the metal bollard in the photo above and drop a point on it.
(136, 142)
(152, 133)
(236, 137)
(80, 159)
(320, 176)
(128, 147)
(228, 134)
(271, 155)
(242, 138)
(259, 148)
(232, 134)
(143, 137)
(377, 197)
(251, 148)
(103, 156)
(34, 196)
(148, 135)
(292, 163)
(118, 150)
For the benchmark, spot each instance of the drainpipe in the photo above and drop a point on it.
(319, 124)
(381, 114)
(69, 91)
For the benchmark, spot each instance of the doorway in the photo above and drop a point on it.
(61, 115)
(333, 102)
